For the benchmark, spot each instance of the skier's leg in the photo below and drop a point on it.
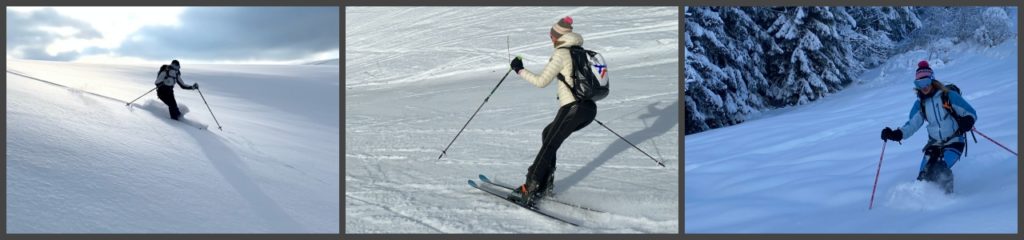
(172, 104)
(537, 173)
(583, 115)
(166, 95)
(552, 140)
(951, 154)
(546, 137)
(922, 170)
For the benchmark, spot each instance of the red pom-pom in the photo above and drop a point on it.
(567, 19)
(922, 64)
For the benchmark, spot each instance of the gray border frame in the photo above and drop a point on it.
(3, 81)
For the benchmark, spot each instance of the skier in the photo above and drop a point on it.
(949, 118)
(571, 115)
(168, 75)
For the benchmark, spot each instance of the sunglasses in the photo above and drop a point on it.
(923, 82)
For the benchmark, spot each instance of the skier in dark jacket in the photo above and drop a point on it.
(572, 115)
(946, 131)
(165, 80)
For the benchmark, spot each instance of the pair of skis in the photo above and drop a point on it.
(535, 209)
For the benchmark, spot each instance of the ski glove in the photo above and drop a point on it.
(517, 64)
(965, 124)
(195, 86)
(889, 134)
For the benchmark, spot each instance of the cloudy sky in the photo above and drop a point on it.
(282, 35)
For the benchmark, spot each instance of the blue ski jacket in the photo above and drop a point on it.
(941, 125)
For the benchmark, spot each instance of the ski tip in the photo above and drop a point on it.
(471, 183)
(484, 178)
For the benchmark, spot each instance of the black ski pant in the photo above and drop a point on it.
(166, 94)
(570, 118)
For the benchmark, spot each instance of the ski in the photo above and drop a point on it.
(484, 179)
(193, 123)
(533, 208)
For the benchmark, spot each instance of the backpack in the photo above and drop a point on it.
(589, 84)
(162, 70)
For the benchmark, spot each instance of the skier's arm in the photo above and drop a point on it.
(961, 106)
(914, 122)
(182, 84)
(550, 71)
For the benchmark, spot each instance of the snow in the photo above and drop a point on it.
(411, 86)
(80, 161)
(810, 169)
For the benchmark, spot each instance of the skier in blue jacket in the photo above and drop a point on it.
(949, 118)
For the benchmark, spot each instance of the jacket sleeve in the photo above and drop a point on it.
(551, 70)
(914, 121)
(182, 83)
(961, 106)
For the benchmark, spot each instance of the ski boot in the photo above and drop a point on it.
(549, 189)
(943, 176)
(937, 172)
(527, 194)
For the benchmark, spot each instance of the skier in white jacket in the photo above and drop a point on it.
(571, 115)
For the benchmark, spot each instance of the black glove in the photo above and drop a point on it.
(965, 124)
(517, 64)
(195, 86)
(889, 134)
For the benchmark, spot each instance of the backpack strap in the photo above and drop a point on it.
(561, 78)
(572, 91)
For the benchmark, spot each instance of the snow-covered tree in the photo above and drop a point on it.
(725, 77)
(814, 59)
(743, 60)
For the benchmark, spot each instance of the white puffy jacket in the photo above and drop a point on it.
(560, 62)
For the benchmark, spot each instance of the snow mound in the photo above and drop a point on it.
(80, 161)
(918, 195)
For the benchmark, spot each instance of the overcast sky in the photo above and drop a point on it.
(158, 34)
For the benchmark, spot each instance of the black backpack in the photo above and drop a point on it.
(587, 84)
(165, 68)
(162, 69)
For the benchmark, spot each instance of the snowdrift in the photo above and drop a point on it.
(80, 161)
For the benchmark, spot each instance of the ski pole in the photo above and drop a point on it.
(136, 99)
(208, 108)
(445, 151)
(630, 143)
(994, 141)
(877, 172)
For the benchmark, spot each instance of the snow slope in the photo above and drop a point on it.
(810, 169)
(80, 161)
(415, 75)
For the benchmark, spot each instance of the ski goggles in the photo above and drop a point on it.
(923, 82)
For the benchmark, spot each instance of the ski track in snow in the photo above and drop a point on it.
(81, 161)
(411, 89)
(811, 169)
